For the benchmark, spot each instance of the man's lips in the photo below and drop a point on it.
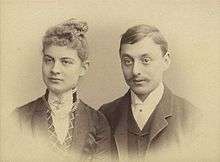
(139, 81)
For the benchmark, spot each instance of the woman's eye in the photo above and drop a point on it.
(146, 60)
(66, 62)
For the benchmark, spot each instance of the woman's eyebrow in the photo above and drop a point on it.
(67, 58)
(144, 54)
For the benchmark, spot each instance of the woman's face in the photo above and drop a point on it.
(62, 68)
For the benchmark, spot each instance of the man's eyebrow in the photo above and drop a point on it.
(48, 56)
(125, 55)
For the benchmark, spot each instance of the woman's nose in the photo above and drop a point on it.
(56, 68)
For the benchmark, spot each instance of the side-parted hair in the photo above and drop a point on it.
(70, 33)
(137, 33)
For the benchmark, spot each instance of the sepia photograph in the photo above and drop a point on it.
(110, 81)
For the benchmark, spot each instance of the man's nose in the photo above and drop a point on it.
(136, 68)
(56, 68)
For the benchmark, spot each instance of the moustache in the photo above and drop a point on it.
(138, 79)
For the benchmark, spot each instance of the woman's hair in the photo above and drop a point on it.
(71, 33)
(137, 33)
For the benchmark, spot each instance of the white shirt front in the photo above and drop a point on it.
(143, 110)
(61, 107)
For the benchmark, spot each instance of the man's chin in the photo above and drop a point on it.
(140, 91)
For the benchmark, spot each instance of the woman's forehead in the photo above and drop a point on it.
(61, 52)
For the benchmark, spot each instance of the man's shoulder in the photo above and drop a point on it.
(111, 106)
(112, 112)
(181, 109)
(183, 106)
(179, 104)
(185, 112)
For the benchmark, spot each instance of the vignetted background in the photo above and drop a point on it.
(192, 29)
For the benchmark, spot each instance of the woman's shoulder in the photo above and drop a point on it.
(29, 108)
(94, 115)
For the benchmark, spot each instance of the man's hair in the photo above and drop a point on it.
(71, 34)
(137, 33)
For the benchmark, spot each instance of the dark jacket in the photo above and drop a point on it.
(167, 125)
(91, 135)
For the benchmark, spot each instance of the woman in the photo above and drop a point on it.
(59, 116)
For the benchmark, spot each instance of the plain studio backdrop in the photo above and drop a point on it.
(192, 29)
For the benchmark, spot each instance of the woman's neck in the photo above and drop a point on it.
(62, 97)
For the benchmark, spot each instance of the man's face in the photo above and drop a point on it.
(61, 68)
(143, 66)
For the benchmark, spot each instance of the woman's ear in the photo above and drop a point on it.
(84, 68)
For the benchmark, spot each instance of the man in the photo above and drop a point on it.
(149, 117)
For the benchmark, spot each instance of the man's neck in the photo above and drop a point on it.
(143, 97)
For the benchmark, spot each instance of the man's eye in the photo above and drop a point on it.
(48, 60)
(146, 60)
(127, 61)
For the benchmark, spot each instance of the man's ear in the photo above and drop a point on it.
(84, 68)
(167, 60)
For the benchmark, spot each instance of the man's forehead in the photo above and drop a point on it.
(147, 41)
(145, 46)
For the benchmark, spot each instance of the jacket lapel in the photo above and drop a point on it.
(39, 119)
(121, 129)
(160, 115)
(81, 127)
(157, 122)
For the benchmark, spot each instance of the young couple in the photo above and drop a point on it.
(146, 119)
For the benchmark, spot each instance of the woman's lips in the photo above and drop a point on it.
(55, 79)
(138, 81)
